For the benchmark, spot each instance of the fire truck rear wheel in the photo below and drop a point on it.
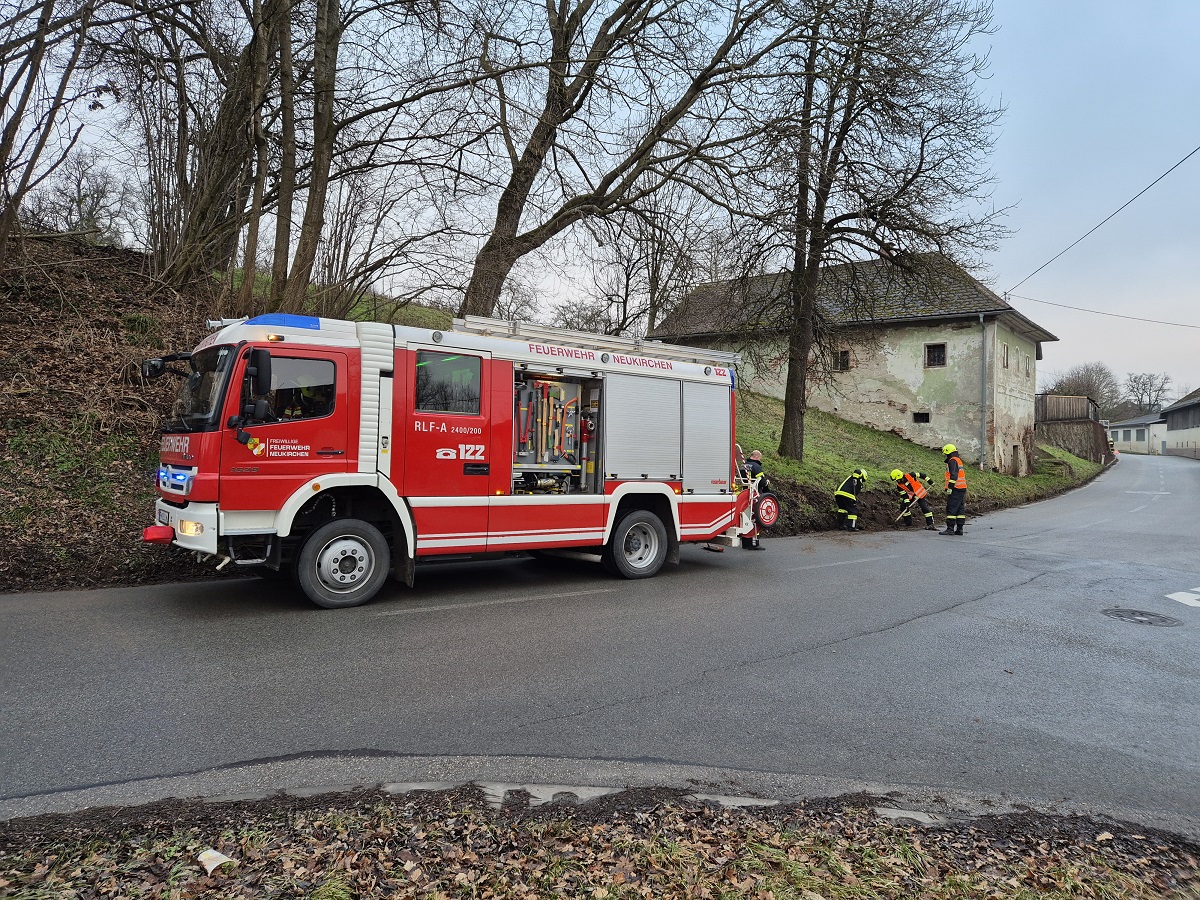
(343, 563)
(638, 547)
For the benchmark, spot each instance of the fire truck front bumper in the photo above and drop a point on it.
(194, 527)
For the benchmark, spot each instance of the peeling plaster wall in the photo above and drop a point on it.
(888, 382)
(1013, 446)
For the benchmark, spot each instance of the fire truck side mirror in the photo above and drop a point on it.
(259, 371)
(258, 411)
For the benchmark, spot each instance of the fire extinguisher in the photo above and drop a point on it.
(586, 428)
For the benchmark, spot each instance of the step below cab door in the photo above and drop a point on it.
(447, 448)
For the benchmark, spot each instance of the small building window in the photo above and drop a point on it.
(1141, 434)
(841, 361)
(1028, 367)
(921, 418)
(1005, 355)
(1126, 438)
(935, 355)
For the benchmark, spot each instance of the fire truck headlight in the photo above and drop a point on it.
(191, 529)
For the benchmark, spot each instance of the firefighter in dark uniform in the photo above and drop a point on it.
(911, 489)
(956, 491)
(753, 470)
(846, 498)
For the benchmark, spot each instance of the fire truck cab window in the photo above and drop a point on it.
(302, 388)
(448, 383)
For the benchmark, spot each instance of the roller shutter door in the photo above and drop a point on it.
(642, 427)
(706, 438)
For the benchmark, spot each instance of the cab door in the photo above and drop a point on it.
(447, 450)
(306, 434)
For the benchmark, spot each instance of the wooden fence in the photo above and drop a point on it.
(1059, 408)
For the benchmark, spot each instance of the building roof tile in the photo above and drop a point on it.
(1148, 419)
(913, 288)
(1187, 400)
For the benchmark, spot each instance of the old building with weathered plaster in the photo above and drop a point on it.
(922, 350)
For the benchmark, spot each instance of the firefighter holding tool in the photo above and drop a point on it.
(846, 497)
(956, 492)
(914, 491)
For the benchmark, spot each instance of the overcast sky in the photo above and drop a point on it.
(1102, 98)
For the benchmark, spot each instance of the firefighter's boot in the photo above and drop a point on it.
(959, 530)
(929, 526)
(949, 528)
(907, 520)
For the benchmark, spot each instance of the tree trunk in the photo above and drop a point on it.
(287, 166)
(263, 29)
(800, 342)
(492, 265)
(325, 54)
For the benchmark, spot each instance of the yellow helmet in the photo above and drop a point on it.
(860, 473)
(897, 474)
(949, 448)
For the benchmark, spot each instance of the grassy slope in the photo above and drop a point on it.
(834, 447)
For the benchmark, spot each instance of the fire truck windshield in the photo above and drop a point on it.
(198, 405)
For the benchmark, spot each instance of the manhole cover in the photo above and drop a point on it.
(1141, 617)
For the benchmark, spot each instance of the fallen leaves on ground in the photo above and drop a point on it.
(638, 844)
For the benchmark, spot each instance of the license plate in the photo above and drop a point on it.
(164, 517)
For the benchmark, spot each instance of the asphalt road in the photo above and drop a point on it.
(978, 667)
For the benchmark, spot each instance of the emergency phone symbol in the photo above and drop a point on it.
(464, 451)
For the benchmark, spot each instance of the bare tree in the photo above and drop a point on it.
(1146, 391)
(642, 262)
(873, 142)
(590, 103)
(41, 47)
(192, 78)
(84, 196)
(1095, 380)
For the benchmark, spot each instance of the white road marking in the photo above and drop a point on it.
(421, 609)
(1138, 508)
(1147, 492)
(848, 562)
(1185, 597)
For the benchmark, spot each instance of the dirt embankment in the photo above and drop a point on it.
(78, 427)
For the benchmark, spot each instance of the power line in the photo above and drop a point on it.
(1123, 205)
(1099, 313)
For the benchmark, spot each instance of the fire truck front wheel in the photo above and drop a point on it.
(638, 546)
(343, 563)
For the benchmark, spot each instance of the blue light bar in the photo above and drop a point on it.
(312, 323)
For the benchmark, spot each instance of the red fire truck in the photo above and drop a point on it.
(344, 451)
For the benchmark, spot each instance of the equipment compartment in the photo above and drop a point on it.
(554, 434)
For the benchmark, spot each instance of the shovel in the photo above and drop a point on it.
(907, 509)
